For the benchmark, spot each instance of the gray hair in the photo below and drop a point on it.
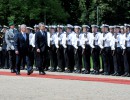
(41, 24)
(23, 26)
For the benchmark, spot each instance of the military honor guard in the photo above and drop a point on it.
(71, 36)
(87, 50)
(125, 44)
(78, 53)
(62, 46)
(9, 38)
(4, 56)
(96, 50)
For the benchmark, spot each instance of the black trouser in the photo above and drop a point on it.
(31, 56)
(12, 59)
(78, 58)
(61, 57)
(70, 57)
(118, 60)
(86, 57)
(53, 56)
(41, 60)
(5, 59)
(19, 58)
(106, 54)
(127, 60)
(116, 67)
(47, 59)
(96, 59)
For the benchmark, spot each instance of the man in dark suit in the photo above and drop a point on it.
(41, 47)
(22, 49)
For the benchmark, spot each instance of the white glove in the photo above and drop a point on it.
(12, 47)
(0, 48)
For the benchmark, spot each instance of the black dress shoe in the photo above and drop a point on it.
(60, 70)
(78, 71)
(17, 73)
(116, 74)
(42, 73)
(13, 71)
(105, 73)
(85, 72)
(46, 69)
(96, 73)
(67, 71)
(30, 72)
(52, 70)
(93, 72)
(126, 74)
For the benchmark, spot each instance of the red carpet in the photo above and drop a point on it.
(68, 77)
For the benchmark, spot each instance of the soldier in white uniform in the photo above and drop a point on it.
(87, 51)
(71, 36)
(104, 44)
(47, 51)
(117, 52)
(78, 53)
(112, 64)
(4, 56)
(53, 49)
(32, 43)
(125, 44)
(62, 46)
(96, 50)
(31, 49)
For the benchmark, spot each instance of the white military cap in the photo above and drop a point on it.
(126, 25)
(86, 26)
(104, 25)
(60, 26)
(116, 26)
(53, 26)
(28, 27)
(96, 26)
(19, 25)
(35, 25)
(76, 26)
(5, 26)
(69, 26)
(31, 28)
(46, 26)
(111, 26)
(121, 26)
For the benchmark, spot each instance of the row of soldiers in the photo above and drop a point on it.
(70, 49)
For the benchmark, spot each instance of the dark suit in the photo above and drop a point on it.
(41, 43)
(22, 46)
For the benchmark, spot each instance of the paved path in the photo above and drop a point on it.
(35, 88)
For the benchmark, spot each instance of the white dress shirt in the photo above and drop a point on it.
(30, 38)
(62, 39)
(32, 41)
(123, 40)
(55, 39)
(128, 40)
(107, 39)
(48, 39)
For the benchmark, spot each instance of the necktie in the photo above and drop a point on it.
(43, 33)
(24, 35)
